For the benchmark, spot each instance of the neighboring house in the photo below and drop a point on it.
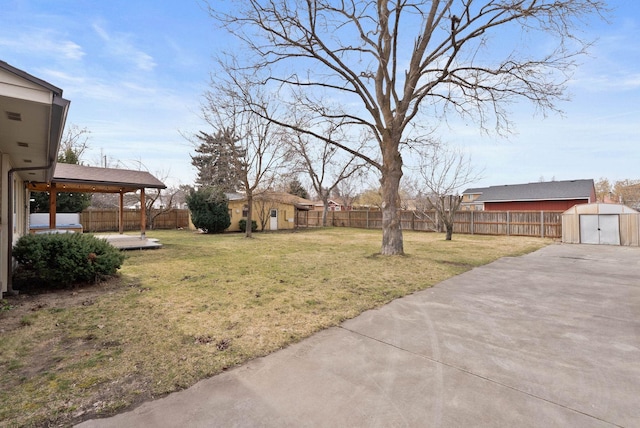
(278, 210)
(542, 196)
(334, 205)
(32, 118)
(470, 199)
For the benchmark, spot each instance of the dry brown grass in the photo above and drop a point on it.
(202, 304)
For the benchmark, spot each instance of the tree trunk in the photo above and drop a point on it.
(392, 243)
(449, 232)
(248, 228)
(325, 210)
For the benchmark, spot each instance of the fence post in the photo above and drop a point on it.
(471, 222)
(367, 219)
(542, 224)
(508, 223)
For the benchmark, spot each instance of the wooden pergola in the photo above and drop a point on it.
(87, 179)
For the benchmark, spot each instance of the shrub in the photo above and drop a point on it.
(5, 305)
(67, 258)
(209, 209)
(243, 225)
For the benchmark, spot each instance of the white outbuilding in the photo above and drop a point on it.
(609, 224)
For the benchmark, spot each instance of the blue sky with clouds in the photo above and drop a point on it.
(135, 72)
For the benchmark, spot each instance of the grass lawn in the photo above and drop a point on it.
(203, 304)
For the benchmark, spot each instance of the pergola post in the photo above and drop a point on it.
(121, 214)
(53, 194)
(143, 215)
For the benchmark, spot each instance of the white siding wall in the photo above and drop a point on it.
(4, 225)
(15, 209)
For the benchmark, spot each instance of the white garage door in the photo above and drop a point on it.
(599, 229)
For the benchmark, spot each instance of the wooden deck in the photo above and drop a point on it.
(131, 242)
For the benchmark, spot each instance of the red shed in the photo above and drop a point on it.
(541, 196)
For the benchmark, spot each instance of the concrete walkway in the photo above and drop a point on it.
(551, 339)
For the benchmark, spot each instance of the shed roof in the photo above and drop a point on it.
(282, 197)
(95, 179)
(599, 208)
(285, 198)
(542, 191)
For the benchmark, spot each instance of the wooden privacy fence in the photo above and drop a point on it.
(546, 224)
(106, 220)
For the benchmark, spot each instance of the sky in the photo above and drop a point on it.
(135, 72)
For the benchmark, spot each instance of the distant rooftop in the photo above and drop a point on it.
(549, 190)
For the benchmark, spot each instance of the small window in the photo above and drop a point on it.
(274, 213)
(245, 211)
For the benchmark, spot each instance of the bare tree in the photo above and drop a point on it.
(74, 144)
(265, 204)
(349, 188)
(370, 198)
(604, 190)
(443, 171)
(325, 167)
(160, 201)
(627, 192)
(104, 200)
(257, 146)
(396, 68)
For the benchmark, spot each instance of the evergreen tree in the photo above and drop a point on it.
(209, 209)
(69, 155)
(217, 159)
(296, 188)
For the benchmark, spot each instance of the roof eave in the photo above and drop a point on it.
(110, 183)
(534, 200)
(23, 74)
